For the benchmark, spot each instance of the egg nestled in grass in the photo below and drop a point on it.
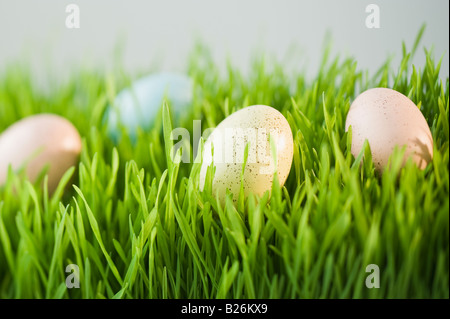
(389, 119)
(256, 126)
(39, 142)
(137, 106)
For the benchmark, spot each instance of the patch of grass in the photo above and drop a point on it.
(137, 225)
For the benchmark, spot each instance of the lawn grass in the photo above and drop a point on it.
(138, 227)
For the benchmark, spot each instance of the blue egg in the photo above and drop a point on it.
(138, 105)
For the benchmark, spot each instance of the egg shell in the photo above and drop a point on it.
(39, 141)
(387, 118)
(252, 124)
(137, 106)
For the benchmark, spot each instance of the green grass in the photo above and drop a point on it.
(137, 226)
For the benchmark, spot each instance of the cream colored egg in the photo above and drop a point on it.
(253, 125)
(37, 142)
(387, 118)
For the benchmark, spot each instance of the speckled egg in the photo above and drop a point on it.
(251, 125)
(138, 105)
(39, 142)
(387, 118)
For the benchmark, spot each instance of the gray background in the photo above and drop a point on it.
(161, 34)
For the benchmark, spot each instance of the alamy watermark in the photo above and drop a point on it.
(373, 19)
(73, 17)
(227, 145)
(73, 279)
(373, 280)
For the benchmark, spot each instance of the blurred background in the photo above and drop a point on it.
(161, 34)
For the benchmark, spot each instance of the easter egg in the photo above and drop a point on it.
(254, 126)
(389, 119)
(138, 105)
(39, 142)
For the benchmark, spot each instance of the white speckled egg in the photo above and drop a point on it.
(138, 105)
(387, 118)
(251, 125)
(37, 142)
